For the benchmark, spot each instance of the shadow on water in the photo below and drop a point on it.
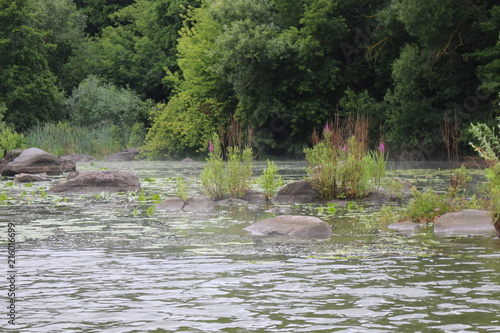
(107, 263)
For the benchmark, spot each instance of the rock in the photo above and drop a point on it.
(465, 222)
(68, 166)
(198, 203)
(31, 178)
(99, 181)
(232, 201)
(255, 197)
(299, 191)
(12, 154)
(174, 204)
(33, 160)
(280, 210)
(291, 225)
(126, 155)
(405, 226)
(77, 158)
(187, 160)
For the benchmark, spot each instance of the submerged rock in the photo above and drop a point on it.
(31, 178)
(299, 191)
(199, 203)
(34, 161)
(76, 158)
(99, 181)
(255, 197)
(126, 155)
(405, 226)
(173, 204)
(232, 201)
(465, 222)
(293, 226)
(187, 160)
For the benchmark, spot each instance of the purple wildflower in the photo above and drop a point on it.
(381, 147)
(211, 147)
(344, 149)
(327, 128)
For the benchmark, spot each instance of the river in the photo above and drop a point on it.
(108, 263)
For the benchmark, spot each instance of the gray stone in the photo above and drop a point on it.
(33, 160)
(68, 166)
(232, 201)
(292, 226)
(31, 178)
(465, 222)
(199, 203)
(405, 226)
(187, 160)
(126, 155)
(99, 181)
(173, 204)
(76, 158)
(255, 197)
(299, 191)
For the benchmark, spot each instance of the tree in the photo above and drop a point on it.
(28, 88)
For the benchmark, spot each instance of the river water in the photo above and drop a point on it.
(108, 263)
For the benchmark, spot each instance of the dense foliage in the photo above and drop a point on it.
(283, 67)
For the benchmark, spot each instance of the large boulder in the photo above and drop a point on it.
(99, 181)
(126, 155)
(299, 191)
(291, 225)
(465, 222)
(33, 160)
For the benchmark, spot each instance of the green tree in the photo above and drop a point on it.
(28, 88)
(93, 102)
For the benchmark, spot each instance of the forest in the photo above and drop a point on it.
(166, 74)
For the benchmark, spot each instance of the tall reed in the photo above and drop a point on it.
(63, 138)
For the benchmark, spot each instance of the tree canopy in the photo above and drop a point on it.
(282, 67)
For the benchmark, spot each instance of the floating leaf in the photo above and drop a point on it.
(156, 198)
(151, 210)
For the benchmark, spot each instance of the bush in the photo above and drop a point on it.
(10, 139)
(270, 180)
(93, 102)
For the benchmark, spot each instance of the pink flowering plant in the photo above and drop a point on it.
(341, 168)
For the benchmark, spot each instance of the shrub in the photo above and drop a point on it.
(10, 139)
(94, 101)
(270, 180)
(238, 170)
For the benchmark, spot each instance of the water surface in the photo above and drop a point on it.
(106, 263)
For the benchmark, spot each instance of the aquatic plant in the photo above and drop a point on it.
(270, 180)
(489, 149)
(181, 189)
(10, 139)
(213, 176)
(340, 165)
(231, 178)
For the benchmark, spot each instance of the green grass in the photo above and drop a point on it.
(63, 138)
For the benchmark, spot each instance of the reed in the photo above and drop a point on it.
(64, 138)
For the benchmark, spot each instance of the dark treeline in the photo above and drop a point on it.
(184, 68)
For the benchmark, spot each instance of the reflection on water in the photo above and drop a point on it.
(101, 263)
